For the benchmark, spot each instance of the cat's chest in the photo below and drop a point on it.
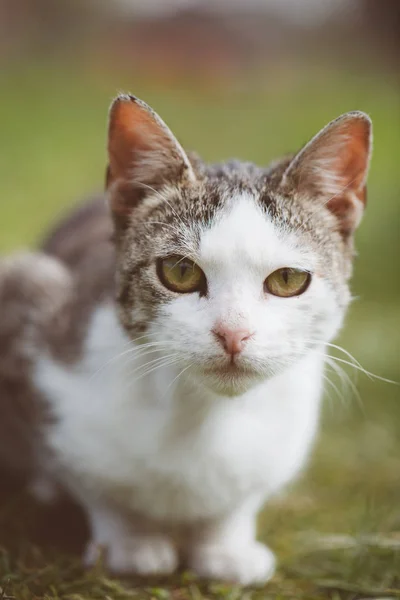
(172, 460)
(161, 467)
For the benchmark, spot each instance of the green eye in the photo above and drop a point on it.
(287, 282)
(181, 275)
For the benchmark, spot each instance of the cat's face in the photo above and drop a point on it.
(232, 272)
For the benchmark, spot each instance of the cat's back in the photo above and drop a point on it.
(82, 240)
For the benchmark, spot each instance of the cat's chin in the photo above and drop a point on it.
(231, 388)
(226, 381)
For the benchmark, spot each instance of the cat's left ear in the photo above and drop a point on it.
(333, 168)
(143, 155)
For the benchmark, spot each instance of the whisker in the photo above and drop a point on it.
(340, 191)
(151, 362)
(167, 363)
(126, 390)
(145, 335)
(354, 362)
(179, 374)
(131, 358)
(361, 369)
(174, 227)
(139, 349)
(336, 389)
(326, 378)
(345, 381)
(149, 367)
(340, 348)
(163, 199)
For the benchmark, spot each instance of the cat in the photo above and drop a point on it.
(162, 355)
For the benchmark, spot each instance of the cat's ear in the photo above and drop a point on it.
(143, 154)
(333, 168)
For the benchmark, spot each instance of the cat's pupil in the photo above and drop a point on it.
(184, 268)
(285, 275)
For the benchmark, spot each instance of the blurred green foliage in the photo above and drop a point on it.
(52, 152)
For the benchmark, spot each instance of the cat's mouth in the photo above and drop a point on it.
(229, 369)
(229, 378)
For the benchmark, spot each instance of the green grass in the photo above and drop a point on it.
(336, 531)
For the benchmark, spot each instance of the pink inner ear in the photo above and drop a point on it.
(352, 157)
(131, 130)
(350, 166)
(143, 155)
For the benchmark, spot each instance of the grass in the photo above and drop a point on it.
(337, 530)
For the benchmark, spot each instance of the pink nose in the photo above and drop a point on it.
(232, 340)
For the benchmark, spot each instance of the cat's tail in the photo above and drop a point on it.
(35, 290)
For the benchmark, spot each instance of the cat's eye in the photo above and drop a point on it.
(287, 282)
(181, 275)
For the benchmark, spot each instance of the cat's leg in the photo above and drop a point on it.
(131, 545)
(226, 549)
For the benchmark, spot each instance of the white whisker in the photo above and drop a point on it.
(139, 349)
(151, 362)
(179, 375)
(163, 199)
(345, 380)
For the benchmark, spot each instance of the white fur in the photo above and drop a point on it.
(167, 462)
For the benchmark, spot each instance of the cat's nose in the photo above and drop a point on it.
(232, 340)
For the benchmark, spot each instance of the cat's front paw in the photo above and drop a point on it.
(251, 564)
(140, 556)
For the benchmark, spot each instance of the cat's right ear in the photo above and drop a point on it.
(143, 155)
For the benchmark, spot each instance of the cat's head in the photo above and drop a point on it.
(235, 271)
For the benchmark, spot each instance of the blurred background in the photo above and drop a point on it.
(252, 79)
